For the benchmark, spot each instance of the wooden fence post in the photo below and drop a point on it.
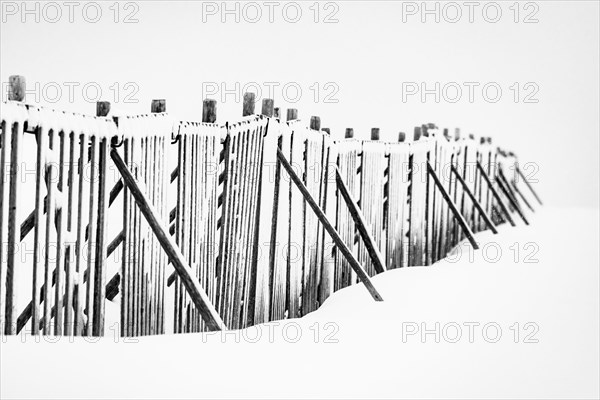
(401, 137)
(267, 107)
(417, 133)
(349, 133)
(249, 102)
(209, 111)
(158, 106)
(374, 133)
(16, 88)
(292, 114)
(102, 108)
(315, 123)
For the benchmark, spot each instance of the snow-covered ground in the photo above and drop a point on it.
(526, 325)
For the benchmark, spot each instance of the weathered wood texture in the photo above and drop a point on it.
(251, 222)
(68, 220)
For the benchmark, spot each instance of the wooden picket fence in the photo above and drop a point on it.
(224, 226)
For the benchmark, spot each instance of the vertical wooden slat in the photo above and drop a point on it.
(327, 277)
(92, 226)
(61, 228)
(4, 190)
(420, 186)
(40, 223)
(430, 195)
(296, 240)
(231, 227)
(262, 265)
(198, 195)
(234, 266)
(215, 148)
(281, 233)
(144, 233)
(71, 215)
(50, 244)
(165, 215)
(157, 190)
(102, 211)
(246, 226)
(251, 233)
(126, 255)
(14, 230)
(313, 163)
(134, 249)
(80, 264)
(372, 182)
(347, 163)
(398, 179)
(179, 232)
(223, 202)
(186, 223)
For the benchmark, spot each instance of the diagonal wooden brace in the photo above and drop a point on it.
(529, 185)
(517, 191)
(362, 275)
(507, 190)
(482, 212)
(496, 195)
(457, 215)
(361, 225)
(196, 292)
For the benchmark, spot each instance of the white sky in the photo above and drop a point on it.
(366, 57)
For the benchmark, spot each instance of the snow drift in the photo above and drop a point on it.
(518, 318)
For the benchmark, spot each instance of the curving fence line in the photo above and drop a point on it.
(193, 226)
